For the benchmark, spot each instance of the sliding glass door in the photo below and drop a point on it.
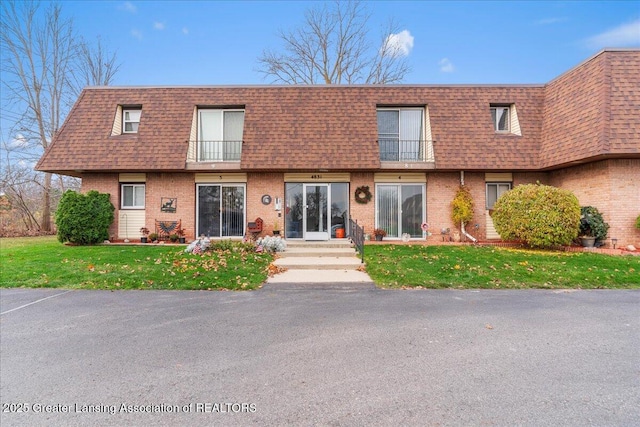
(400, 209)
(221, 210)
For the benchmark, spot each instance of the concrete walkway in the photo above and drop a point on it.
(320, 262)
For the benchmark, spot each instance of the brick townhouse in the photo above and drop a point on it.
(300, 157)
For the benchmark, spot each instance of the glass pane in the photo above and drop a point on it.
(503, 118)
(412, 210)
(233, 127)
(232, 211)
(138, 194)
(492, 195)
(387, 199)
(410, 134)
(127, 196)
(210, 135)
(293, 210)
(209, 210)
(339, 207)
(389, 134)
(503, 188)
(317, 219)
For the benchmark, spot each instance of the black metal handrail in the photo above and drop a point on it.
(400, 150)
(356, 233)
(218, 150)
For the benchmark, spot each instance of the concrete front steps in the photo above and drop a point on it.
(335, 261)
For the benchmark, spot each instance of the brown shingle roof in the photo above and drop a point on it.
(335, 128)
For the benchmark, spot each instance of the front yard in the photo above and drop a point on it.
(497, 268)
(44, 262)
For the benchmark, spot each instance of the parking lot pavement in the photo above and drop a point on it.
(319, 356)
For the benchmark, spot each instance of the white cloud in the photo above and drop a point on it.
(446, 66)
(128, 7)
(185, 31)
(19, 141)
(158, 25)
(622, 36)
(398, 44)
(136, 33)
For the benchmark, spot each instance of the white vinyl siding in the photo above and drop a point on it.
(493, 192)
(129, 223)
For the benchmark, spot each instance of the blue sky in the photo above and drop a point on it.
(211, 43)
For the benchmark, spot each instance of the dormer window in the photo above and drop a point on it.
(130, 120)
(500, 118)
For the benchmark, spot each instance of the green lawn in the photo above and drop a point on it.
(44, 262)
(497, 268)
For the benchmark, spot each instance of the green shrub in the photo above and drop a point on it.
(592, 224)
(540, 215)
(462, 206)
(638, 222)
(84, 219)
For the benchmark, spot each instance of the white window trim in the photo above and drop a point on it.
(137, 111)
(496, 121)
(222, 184)
(200, 120)
(426, 126)
(486, 194)
(122, 206)
(424, 207)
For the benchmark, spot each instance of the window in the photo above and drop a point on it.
(132, 196)
(495, 190)
(401, 134)
(221, 210)
(220, 134)
(500, 118)
(130, 120)
(400, 209)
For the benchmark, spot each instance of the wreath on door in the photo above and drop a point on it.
(363, 194)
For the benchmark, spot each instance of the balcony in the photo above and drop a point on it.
(406, 151)
(215, 151)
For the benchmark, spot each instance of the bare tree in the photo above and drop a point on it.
(332, 47)
(40, 53)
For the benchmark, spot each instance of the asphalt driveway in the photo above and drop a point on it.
(324, 356)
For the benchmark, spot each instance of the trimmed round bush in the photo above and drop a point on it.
(84, 219)
(539, 215)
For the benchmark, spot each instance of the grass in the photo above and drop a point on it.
(497, 268)
(44, 262)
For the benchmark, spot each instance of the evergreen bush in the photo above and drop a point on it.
(638, 222)
(540, 215)
(84, 219)
(592, 224)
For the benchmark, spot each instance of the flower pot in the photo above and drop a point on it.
(182, 240)
(143, 240)
(588, 242)
(339, 233)
(379, 238)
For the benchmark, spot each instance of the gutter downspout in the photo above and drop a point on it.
(464, 232)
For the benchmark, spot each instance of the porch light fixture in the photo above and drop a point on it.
(614, 241)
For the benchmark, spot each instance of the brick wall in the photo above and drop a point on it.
(259, 184)
(363, 213)
(171, 185)
(612, 187)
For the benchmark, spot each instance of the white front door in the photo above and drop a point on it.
(316, 218)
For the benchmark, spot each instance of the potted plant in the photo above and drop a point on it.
(153, 237)
(379, 233)
(593, 229)
(145, 233)
(276, 229)
(174, 238)
(180, 232)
